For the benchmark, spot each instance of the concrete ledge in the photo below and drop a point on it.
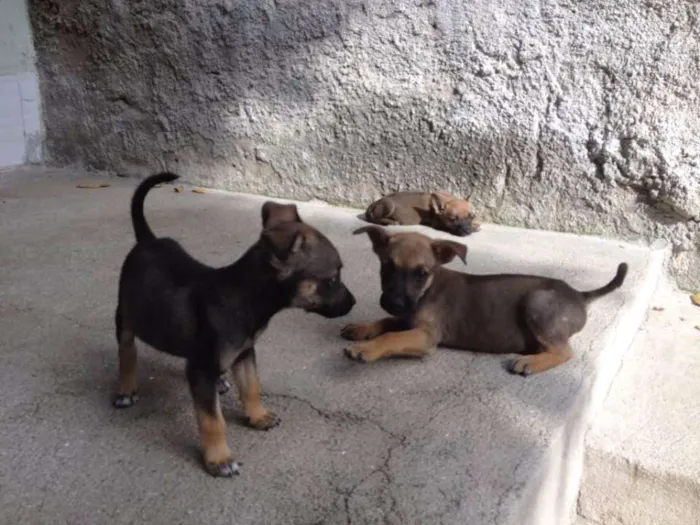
(642, 451)
(452, 439)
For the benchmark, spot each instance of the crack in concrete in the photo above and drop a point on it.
(400, 440)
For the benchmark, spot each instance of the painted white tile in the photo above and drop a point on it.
(31, 116)
(12, 142)
(28, 86)
(20, 120)
(11, 147)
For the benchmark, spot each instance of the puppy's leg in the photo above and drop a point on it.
(127, 390)
(212, 427)
(552, 318)
(245, 375)
(363, 332)
(417, 342)
(552, 356)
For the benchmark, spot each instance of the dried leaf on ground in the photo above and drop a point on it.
(199, 190)
(93, 185)
(179, 189)
(695, 298)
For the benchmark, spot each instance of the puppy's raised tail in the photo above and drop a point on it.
(142, 231)
(611, 286)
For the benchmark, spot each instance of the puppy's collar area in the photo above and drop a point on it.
(256, 279)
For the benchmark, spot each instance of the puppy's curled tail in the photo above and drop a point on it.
(142, 231)
(611, 286)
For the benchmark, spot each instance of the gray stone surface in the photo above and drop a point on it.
(452, 439)
(643, 450)
(556, 114)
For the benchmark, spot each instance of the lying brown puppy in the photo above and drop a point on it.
(503, 314)
(439, 210)
(212, 317)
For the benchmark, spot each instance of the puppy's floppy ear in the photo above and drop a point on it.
(274, 214)
(437, 206)
(445, 251)
(377, 235)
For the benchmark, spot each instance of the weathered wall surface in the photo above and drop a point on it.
(573, 115)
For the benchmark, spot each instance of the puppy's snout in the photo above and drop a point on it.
(465, 226)
(348, 299)
(341, 303)
(394, 304)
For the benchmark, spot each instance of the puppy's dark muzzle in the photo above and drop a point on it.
(395, 304)
(337, 307)
(464, 227)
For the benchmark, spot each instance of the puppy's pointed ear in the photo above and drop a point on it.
(377, 235)
(274, 214)
(437, 206)
(284, 244)
(445, 251)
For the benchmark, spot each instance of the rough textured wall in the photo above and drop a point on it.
(577, 115)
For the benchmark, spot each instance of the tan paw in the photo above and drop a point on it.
(359, 353)
(358, 332)
(522, 366)
(224, 469)
(264, 421)
(220, 463)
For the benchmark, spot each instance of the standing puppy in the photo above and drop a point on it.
(439, 210)
(501, 314)
(213, 316)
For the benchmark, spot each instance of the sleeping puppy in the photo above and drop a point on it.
(438, 210)
(212, 317)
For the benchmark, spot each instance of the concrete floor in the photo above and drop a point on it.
(452, 439)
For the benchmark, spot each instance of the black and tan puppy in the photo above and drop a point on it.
(502, 314)
(213, 316)
(439, 210)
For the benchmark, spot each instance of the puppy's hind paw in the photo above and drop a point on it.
(125, 401)
(265, 421)
(222, 386)
(224, 469)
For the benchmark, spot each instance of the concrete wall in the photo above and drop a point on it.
(572, 115)
(20, 121)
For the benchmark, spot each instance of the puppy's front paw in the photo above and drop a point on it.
(125, 400)
(264, 421)
(222, 386)
(359, 353)
(521, 366)
(224, 469)
(358, 332)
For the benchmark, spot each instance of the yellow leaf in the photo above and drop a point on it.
(199, 190)
(93, 185)
(695, 299)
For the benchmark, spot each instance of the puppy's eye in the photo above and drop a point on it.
(421, 272)
(331, 281)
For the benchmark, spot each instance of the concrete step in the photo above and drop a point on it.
(451, 439)
(643, 450)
